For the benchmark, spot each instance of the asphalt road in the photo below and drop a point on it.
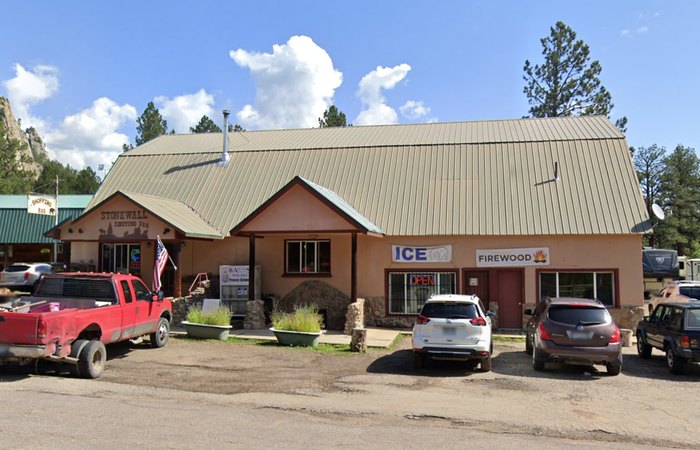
(143, 401)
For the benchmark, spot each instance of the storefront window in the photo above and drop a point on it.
(121, 258)
(409, 290)
(308, 256)
(599, 285)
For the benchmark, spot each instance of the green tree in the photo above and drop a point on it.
(205, 125)
(71, 181)
(567, 83)
(332, 117)
(15, 179)
(86, 182)
(649, 163)
(679, 194)
(150, 125)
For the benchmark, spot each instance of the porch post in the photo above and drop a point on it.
(251, 268)
(177, 281)
(353, 270)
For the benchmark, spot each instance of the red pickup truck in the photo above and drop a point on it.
(71, 316)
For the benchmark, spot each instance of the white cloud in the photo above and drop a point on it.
(28, 88)
(294, 84)
(185, 111)
(90, 137)
(631, 33)
(376, 111)
(414, 110)
(642, 29)
(625, 33)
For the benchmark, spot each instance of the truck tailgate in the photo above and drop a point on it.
(18, 328)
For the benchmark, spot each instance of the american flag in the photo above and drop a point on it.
(161, 260)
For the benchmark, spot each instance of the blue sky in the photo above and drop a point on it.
(81, 72)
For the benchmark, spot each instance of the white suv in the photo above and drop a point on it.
(453, 327)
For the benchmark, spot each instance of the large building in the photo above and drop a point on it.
(22, 234)
(512, 210)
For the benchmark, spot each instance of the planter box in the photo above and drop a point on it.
(202, 331)
(296, 338)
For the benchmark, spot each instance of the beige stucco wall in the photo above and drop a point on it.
(374, 256)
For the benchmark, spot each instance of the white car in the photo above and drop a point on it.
(453, 327)
(23, 276)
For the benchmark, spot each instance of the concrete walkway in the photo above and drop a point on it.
(376, 337)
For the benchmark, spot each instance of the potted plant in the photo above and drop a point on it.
(300, 328)
(214, 324)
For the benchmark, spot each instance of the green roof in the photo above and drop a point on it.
(17, 226)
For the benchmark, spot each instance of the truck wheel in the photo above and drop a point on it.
(528, 344)
(615, 367)
(643, 349)
(75, 349)
(92, 360)
(162, 334)
(675, 363)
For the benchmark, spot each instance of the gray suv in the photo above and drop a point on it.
(573, 331)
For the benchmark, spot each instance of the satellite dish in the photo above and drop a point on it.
(658, 212)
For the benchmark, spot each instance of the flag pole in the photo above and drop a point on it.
(171, 260)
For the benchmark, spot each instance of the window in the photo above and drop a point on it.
(141, 291)
(450, 310)
(690, 291)
(121, 258)
(127, 291)
(408, 291)
(308, 257)
(598, 285)
(574, 315)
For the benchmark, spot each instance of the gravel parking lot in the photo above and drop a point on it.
(645, 405)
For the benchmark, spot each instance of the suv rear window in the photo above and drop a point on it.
(17, 268)
(574, 315)
(690, 291)
(693, 319)
(450, 310)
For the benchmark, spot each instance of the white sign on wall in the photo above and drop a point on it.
(419, 254)
(513, 257)
(41, 204)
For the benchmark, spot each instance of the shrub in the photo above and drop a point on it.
(304, 318)
(218, 316)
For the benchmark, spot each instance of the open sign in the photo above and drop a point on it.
(421, 279)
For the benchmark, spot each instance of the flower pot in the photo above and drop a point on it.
(296, 338)
(203, 331)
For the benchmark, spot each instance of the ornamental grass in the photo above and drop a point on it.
(304, 319)
(219, 316)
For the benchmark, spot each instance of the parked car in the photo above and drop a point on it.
(453, 327)
(673, 328)
(573, 331)
(23, 276)
(682, 291)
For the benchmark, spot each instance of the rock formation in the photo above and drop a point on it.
(31, 143)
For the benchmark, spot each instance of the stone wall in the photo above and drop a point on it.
(375, 310)
(627, 317)
(314, 292)
(255, 315)
(182, 305)
(355, 317)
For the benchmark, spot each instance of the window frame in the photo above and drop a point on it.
(615, 280)
(388, 272)
(317, 261)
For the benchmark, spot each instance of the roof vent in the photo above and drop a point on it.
(225, 158)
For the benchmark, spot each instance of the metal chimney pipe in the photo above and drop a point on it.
(225, 158)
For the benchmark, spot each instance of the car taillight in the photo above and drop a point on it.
(26, 276)
(41, 329)
(420, 320)
(685, 341)
(544, 334)
(615, 337)
(478, 321)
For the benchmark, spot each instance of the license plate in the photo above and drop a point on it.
(449, 331)
(579, 335)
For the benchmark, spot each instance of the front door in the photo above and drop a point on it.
(476, 282)
(509, 292)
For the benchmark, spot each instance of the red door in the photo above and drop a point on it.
(476, 282)
(509, 292)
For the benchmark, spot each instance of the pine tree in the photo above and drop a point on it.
(332, 117)
(150, 125)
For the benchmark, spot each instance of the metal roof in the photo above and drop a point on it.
(17, 226)
(465, 178)
(173, 212)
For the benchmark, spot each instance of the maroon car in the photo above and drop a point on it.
(573, 331)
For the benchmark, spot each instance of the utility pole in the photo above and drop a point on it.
(55, 242)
